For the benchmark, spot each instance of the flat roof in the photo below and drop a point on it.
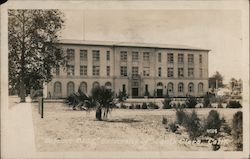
(129, 44)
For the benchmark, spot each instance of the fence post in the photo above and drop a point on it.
(42, 107)
(39, 106)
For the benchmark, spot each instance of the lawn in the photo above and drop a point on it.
(63, 129)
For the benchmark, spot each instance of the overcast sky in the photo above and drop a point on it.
(218, 30)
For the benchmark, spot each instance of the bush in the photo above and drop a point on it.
(207, 101)
(238, 130)
(153, 106)
(234, 104)
(192, 124)
(123, 106)
(213, 121)
(225, 127)
(164, 120)
(131, 106)
(173, 127)
(167, 102)
(191, 102)
(137, 106)
(181, 116)
(144, 106)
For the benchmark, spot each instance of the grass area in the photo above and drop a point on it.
(63, 129)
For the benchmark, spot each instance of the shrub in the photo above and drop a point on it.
(193, 126)
(207, 101)
(178, 105)
(225, 127)
(234, 104)
(167, 102)
(164, 120)
(238, 130)
(181, 116)
(173, 127)
(191, 102)
(220, 105)
(144, 106)
(153, 106)
(123, 106)
(131, 106)
(213, 121)
(137, 106)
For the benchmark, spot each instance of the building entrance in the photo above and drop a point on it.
(135, 92)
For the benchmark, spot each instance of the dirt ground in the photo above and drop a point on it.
(63, 129)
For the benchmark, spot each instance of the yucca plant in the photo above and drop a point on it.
(104, 98)
(101, 100)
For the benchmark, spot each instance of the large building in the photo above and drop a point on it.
(136, 68)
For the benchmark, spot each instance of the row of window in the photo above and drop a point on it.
(71, 87)
(123, 71)
(191, 89)
(84, 55)
(83, 87)
(135, 56)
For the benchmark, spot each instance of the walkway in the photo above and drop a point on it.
(17, 130)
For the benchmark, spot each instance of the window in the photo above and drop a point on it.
(71, 54)
(180, 72)
(180, 58)
(159, 71)
(96, 55)
(190, 87)
(57, 87)
(96, 70)
(170, 72)
(108, 70)
(135, 84)
(123, 88)
(146, 71)
(135, 56)
(170, 58)
(96, 84)
(200, 59)
(146, 88)
(190, 72)
(70, 88)
(108, 85)
(108, 55)
(123, 56)
(83, 55)
(124, 71)
(135, 70)
(83, 70)
(200, 87)
(180, 87)
(201, 72)
(170, 87)
(145, 56)
(83, 87)
(190, 58)
(57, 70)
(71, 70)
(159, 57)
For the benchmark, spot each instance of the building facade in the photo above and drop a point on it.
(139, 69)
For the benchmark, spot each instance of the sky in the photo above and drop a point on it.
(217, 30)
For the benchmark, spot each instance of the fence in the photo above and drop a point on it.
(40, 106)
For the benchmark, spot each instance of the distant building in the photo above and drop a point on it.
(136, 68)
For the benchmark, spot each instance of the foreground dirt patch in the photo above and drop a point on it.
(63, 129)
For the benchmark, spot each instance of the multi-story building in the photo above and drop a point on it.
(136, 68)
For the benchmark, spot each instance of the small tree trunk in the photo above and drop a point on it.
(98, 114)
(22, 92)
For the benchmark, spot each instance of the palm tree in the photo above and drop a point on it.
(101, 100)
(104, 101)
